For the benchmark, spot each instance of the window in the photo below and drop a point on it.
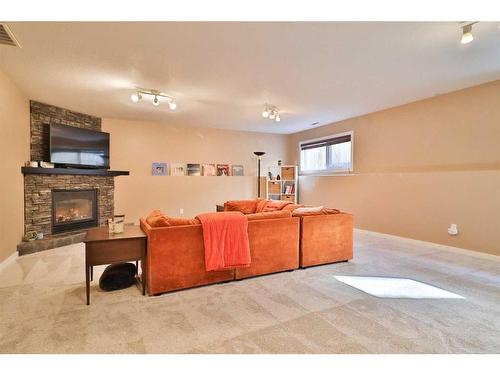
(328, 155)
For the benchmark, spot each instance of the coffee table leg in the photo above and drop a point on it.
(87, 283)
(137, 267)
(92, 273)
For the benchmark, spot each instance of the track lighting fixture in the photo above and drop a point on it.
(271, 112)
(156, 95)
(467, 36)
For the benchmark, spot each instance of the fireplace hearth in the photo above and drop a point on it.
(74, 209)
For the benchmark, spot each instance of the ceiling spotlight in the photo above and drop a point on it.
(172, 105)
(265, 113)
(156, 102)
(467, 36)
(272, 115)
(136, 97)
(277, 119)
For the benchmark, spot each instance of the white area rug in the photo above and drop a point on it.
(393, 287)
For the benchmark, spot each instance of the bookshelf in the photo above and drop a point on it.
(285, 187)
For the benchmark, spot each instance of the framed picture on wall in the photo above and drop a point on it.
(237, 170)
(209, 170)
(159, 169)
(178, 169)
(223, 170)
(193, 169)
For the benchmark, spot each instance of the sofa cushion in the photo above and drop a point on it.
(269, 215)
(313, 211)
(158, 219)
(174, 221)
(261, 203)
(153, 214)
(246, 206)
(292, 207)
(272, 205)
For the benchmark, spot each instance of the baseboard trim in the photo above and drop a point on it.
(453, 249)
(12, 257)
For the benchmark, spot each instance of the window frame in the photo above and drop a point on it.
(328, 171)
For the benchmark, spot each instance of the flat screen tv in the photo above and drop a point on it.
(75, 147)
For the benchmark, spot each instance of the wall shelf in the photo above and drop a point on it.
(74, 171)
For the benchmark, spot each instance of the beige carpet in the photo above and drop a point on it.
(305, 311)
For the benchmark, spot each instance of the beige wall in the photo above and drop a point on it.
(14, 151)
(420, 167)
(135, 145)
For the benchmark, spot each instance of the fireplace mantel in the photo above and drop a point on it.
(74, 171)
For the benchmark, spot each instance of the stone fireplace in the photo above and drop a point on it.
(61, 203)
(39, 201)
(74, 209)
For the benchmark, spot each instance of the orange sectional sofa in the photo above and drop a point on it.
(280, 237)
(176, 256)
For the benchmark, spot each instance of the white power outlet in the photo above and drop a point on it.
(181, 211)
(453, 230)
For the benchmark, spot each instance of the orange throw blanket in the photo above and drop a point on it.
(225, 236)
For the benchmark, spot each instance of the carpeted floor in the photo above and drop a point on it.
(305, 311)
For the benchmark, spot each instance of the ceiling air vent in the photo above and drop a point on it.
(7, 37)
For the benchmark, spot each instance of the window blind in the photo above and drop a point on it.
(326, 142)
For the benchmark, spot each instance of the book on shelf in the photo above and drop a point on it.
(289, 189)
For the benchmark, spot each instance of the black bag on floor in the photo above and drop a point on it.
(117, 276)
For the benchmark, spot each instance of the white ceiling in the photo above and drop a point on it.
(223, 73)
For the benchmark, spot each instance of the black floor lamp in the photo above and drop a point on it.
(259, 155)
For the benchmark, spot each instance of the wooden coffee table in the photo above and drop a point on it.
(104, 248)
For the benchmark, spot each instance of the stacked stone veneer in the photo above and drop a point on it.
(38, 197)
(38, 187)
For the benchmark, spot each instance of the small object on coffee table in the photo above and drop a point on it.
(117, 276)
(118, 223)
(111, 226)
(101, 247)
